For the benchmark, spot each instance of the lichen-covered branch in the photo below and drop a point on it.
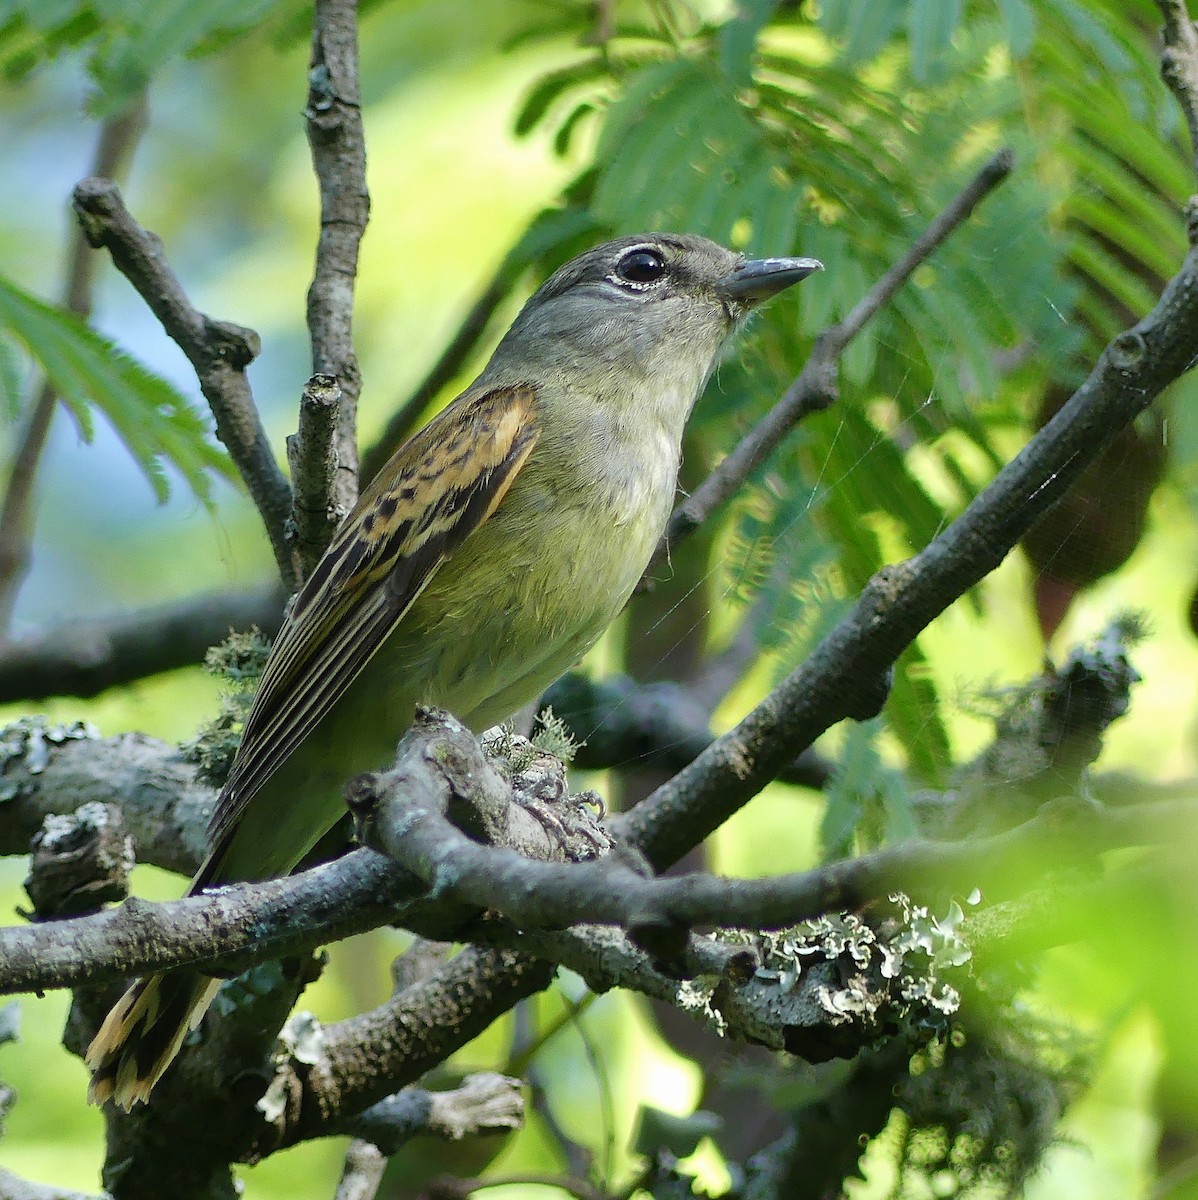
(365, 1059)
(441, 785)
(484, 1102)
(362, 1172)
(47, 768)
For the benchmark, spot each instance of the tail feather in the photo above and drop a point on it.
(142, 1034)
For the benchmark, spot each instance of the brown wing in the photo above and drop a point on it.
(438, 488)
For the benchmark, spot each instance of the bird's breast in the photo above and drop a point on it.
(535, 586)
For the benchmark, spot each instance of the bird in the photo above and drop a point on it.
(486, 557)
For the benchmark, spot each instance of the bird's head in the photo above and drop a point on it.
(650, 306)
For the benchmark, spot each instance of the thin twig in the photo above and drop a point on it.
(1179, 63)
(118, 139)
(815, 387)
(219, 352)
(312, 455)
(334, 120)
(84, 657)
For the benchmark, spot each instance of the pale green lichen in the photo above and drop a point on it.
(553, 736)
(694, 996)
(239, 660)
(29, 741)
(896, 964)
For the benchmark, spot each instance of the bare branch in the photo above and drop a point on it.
(815, 387)
(84, 657)
(312, 454)
(366, 1058)
(484, 1102)
(219, 351)
(1179, 63)
(334, 117)
(118, 139)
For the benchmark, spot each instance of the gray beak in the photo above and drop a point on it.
(758, 279)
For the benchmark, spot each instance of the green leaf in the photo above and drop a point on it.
(930, 28)
(546, 91)
(12, 386)
(149, 35)
(156, 423)
(737, 39)
(1019, 23)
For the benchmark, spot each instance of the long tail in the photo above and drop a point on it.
(142, 1034)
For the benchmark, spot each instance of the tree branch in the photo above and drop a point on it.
(47, 768)
(419, 810)
(118, 139)
(219, 351)
(338, 145)
(312, 454)
(484, 1102)
(1179, 63)
(437, 772)
(815, 388)
(228, 930)
(619, 723)
(366, 1058)
(84, 657)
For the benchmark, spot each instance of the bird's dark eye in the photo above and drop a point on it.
(641, 266)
